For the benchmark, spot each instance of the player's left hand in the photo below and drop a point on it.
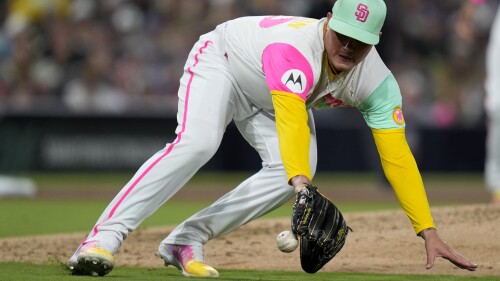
(436, 247)
(320, 227)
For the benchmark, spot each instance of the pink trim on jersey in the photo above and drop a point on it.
(287, 70)
(170, 147)
(274, 20)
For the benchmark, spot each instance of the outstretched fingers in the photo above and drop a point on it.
(436, 247)
(460, 261)
(430, 260)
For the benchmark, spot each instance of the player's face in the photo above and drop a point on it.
(344, 52)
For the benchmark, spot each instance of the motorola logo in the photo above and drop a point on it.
(295, 80)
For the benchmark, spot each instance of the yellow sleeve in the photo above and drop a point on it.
(402, 172)
(293, 133)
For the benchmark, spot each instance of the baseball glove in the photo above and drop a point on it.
(320, 226)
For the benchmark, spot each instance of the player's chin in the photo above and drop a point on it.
(344, 65)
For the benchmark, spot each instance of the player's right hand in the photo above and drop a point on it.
(436, 247)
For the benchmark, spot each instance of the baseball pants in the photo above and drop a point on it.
(209, 99)
(492, 104)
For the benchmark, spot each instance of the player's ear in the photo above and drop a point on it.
(328, 16)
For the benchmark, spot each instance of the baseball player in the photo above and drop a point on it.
(465, 29)
(492, 104)
(265, 74)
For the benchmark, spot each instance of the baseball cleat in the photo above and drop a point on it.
(187, 258)
(90, 261)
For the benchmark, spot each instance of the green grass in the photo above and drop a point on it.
(56, 215)
(47, 216)
(59, 216)
(22, 272)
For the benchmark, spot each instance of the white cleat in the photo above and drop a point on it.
(189, 259)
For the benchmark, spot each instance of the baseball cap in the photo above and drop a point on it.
(359, 19)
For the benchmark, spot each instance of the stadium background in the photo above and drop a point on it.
(91, 85)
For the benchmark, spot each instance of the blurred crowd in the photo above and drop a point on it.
(126, 56)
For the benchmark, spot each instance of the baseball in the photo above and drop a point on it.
(287, 242)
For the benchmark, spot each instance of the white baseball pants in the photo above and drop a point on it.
(209, 99)
(492, 104)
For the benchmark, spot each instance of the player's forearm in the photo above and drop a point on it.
(402, 172)
(293, 134)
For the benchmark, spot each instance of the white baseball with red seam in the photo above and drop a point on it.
(287, 242)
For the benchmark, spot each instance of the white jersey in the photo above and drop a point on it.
(286, 54)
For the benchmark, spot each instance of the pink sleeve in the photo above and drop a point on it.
(287, 70)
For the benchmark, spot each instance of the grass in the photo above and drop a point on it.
(56, 215)
(56, 272)
(53, 215)
(96, 180)
(59, 216)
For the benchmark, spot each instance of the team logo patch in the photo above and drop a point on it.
(362, 12)
(294, 80)
(397, 115)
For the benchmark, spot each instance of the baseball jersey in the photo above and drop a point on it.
(287, 54)
(280, 64)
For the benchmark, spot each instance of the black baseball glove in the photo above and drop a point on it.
(320, 226)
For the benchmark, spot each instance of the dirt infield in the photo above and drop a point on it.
(382, 242)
